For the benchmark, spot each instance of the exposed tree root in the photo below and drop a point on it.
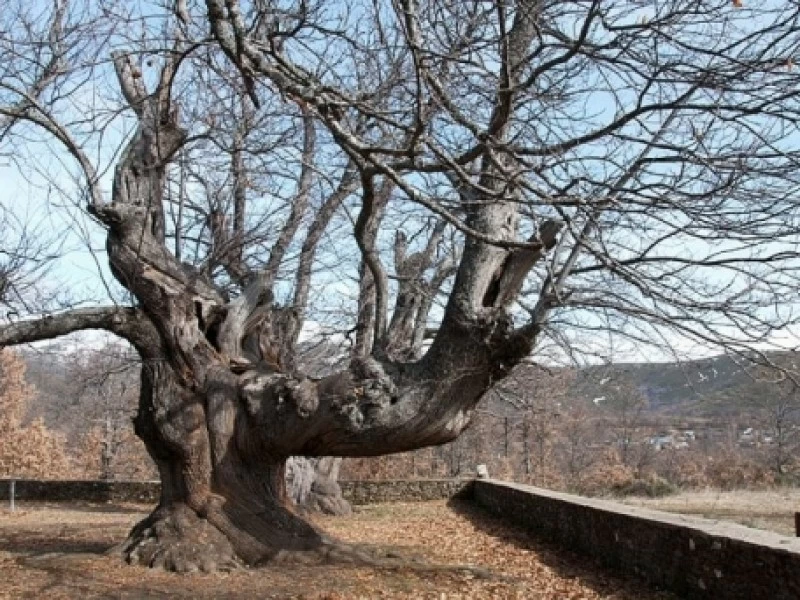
(178, 540)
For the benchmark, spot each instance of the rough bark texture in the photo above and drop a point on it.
(314, 485)
(217, 508)
(222, 409)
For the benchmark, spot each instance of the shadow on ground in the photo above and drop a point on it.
(23, 506)
(565, 563)
(36, 546)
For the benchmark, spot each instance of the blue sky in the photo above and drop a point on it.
(40, 185)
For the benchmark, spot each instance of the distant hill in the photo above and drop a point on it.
(671, 387)
(710, 388)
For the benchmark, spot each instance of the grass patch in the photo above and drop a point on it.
(772, 510)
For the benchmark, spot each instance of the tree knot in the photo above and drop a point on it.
(270, 394)
(305, 396)
(372, 390)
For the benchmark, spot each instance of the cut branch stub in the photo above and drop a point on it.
(519, 263)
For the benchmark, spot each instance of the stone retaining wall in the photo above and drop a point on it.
(356, 492)
(693, 557)
(81, 491)
(411, 490)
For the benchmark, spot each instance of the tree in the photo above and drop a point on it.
(26, 251)
(538, 400)
(105, 388)
(625, 405)
(540, 171)
(25, 258)
(781, 413)
(577, 448)
(772, 392)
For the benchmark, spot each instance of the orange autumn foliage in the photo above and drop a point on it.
(26, 450)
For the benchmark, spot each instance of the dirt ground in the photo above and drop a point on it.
(772, 510)
(58, 551)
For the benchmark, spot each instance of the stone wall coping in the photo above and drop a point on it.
(452, 480)
(710, 527)
(409, 480)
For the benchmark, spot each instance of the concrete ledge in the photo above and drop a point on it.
(693, 557)
(356, 492)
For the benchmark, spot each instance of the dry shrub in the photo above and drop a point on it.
(651, 485)
(30, 450)
(503, 468)
(684, 468)
(607, 474)
(731, 470)
(610, 476)
(378, 468)
(426, 463)
(546, 474)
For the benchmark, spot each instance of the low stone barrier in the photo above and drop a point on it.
(408, 490)
(693, 557)
(34, 490)
(356, 492)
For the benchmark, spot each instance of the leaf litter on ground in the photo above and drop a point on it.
(441, 552)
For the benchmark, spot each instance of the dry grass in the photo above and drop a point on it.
(58, 552)
(772, 510)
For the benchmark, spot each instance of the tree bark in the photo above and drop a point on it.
(218, 507)
(313, 485)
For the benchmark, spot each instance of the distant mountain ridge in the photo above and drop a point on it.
(706, 388)
(711, 387)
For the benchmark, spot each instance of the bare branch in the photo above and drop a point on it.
(128, 323)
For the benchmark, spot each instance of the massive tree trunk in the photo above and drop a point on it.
(222, 451)
(220, 506)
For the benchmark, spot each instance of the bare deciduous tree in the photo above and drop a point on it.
(104, 386)
(624, 406)
(773, 395)
(599, 166)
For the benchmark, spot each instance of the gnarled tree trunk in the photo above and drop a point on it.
(218, 507)
(222, 411)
